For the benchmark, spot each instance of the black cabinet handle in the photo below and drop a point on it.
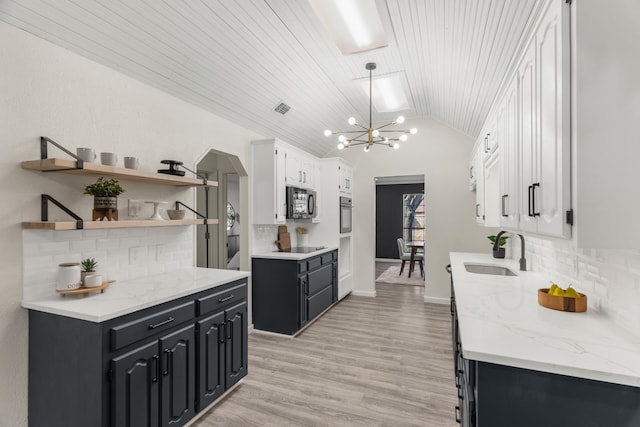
(533, 198)
(504, 209)
(165, 364)
(229, 330)
(477, 210)
(530, 191)
(222, 332)
(471, 172)
(486, 143)
(225, 299)
(458, 414)
(166, 322)
(156, 368)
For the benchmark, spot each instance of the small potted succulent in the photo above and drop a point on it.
(501, 242)
(105, 194)
(88, 266)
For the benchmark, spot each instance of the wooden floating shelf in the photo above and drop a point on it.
(97, 225)
(94, 169)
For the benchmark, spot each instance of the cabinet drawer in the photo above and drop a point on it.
(219, 299)
(319, 302)
(139, 329)
(319, 279)
(327, 258)
(314, 263)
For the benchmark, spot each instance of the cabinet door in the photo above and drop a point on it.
(528, 144)
(309, 167)
(509, 155)
(479, 170)
(178, 377)
(293, 169)
(135, 388)
(236, 345)
(552, 195)
(211, 359)
(280, 190)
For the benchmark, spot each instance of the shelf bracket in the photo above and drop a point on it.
(178, 204)
(44, 208)
(44, 153)
(203, 178)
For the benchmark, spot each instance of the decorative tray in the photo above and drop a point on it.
(83, 290)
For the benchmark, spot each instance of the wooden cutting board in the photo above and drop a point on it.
(284, 242)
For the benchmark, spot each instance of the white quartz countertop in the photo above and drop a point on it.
(501, 322)
(294, 256)
(126, 297)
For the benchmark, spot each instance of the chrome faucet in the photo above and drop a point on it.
(498, 252)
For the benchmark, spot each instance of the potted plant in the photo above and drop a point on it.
(501, 242)
(105, 193)
(88, 266)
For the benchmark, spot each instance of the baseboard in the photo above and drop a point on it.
(371, 294)
(250, 329)
(437, 300)
(273, 334)
(387, 260)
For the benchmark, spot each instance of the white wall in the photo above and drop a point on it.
(441, 154)
(46, 90)
(607, 114)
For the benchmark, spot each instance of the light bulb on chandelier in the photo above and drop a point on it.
(370, 136)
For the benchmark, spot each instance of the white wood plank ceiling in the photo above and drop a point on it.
(240, 59)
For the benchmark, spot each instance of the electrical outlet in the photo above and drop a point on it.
(134, 208)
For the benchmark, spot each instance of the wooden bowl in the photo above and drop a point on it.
(573, 305)
(175, 213)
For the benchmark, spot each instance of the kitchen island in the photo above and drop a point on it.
(518, 362)
(156, 350)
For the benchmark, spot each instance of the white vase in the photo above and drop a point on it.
(303, 239)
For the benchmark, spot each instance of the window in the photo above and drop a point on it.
(413, 217)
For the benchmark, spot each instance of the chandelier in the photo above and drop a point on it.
(368, 136)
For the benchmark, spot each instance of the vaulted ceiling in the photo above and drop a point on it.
(240, 59)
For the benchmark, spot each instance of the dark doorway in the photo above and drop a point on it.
(390, 216)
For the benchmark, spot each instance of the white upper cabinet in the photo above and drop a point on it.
(269, 193)
(530, 130)
(545, 194)
(300, 169)
(508, 128)
(552, 196)
(478, 168)
(346, 179)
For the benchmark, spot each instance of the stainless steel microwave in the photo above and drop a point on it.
(301, 203)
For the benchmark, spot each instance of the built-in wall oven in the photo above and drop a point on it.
(301, 203)
(345, 214)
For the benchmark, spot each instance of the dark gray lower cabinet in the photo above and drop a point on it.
(165, 370)
(156, 367)
(222, 352)
(493, 395)
(288, 294)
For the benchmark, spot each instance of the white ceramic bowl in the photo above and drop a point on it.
(93, 280)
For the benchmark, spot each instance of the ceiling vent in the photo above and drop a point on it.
(282, 108)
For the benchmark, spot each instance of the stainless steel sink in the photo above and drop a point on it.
(495, 270)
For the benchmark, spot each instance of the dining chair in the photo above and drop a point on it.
(406, 256)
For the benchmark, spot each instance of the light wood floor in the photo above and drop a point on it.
(383, 361)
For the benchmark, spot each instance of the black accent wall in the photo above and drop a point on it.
(389, 217)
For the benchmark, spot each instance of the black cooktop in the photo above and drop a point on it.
(304, 249)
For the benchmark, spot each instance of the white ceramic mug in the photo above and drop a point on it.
(86, 154)
(109, 159)
(131, 162)
(68, 276)
(93, 280)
